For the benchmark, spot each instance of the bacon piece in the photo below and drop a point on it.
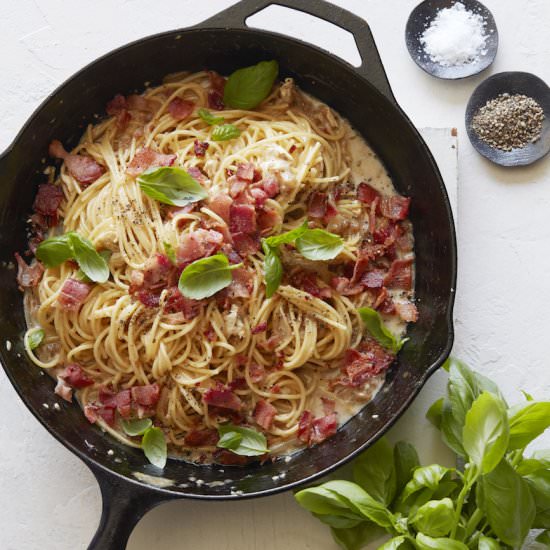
(116, 105)
(322, 428)
(154, 274)
(232, 256)
(90, 412)
(28, 276)
(215, 100)
(200, 147)
(245, 244)
(237, 187)
(395, 207)
(198, 244)
(73, 294)
(196, 173)
(146, 396)
(227, 458)
(267, 219)
(317, 205)
(220, 203)
(270, 185)
(245, 171)
(148, 298)
(400, 274)
(123, 400)
(264, 413)
(329, 406)
(407, 311)
(259, 195)
(107, 415)
(107, 397)
(256, 372)
(383, 302)
(242, 283)
(361, 364)
(75, 376)
(63, 390)
(308, 282)
(215, 94)
(177, 302)
(374, 278)
(222, 397)
(180, 109)
(366, 193)
(242, 218)
(83, 168)
(304, 426)
(260, 327)
(147, 158)
(47, 200)
(345, 287)
(237, 384)
(207, 437)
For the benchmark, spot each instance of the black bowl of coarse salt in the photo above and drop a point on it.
(508, 118)
(452, 39)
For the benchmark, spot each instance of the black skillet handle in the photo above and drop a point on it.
(123, 505)
(371, 67)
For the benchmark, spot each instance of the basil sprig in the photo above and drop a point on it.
(171, 185)
(242, 441)
(209, 118)
(205, 277)
(225, 132)
(248, 87)
(154, 446)
(318, 244)
(34, 337)
(492, 502)
(56, 250)
(378, 330)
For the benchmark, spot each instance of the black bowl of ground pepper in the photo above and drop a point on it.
(508, 118)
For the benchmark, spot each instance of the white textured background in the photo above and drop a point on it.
(48, 499)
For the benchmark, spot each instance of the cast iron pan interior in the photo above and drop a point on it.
(363, 95)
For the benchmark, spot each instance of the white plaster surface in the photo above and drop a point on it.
(49, 500)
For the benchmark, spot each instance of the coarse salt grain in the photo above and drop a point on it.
(456, 36)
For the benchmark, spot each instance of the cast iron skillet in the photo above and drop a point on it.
(363, 95)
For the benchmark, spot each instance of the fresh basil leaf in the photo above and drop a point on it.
(435, 518)
(81, 276)
(171, 185)
(356, 538)
(322, 502)
(527, 422)
(425, 477)
(528, 396)
(92, 264)
(205, 277)
(242, 441)
(248, 87)
(339, 522)
(435, 413)
(284, 238)
(544, 538)
(539, 484)
(54, 251)
(34, 337)
(486, 543)
(377, 329)
(505, 498)
(209, 118)
(319, 245)
(406, 462)
(154, 446)
(225, 132)
(540, 460)
(424, 542)
(394, 544)
(273, 271)
(137, 426)
(374, 471)
(486, 432)
(170, 252)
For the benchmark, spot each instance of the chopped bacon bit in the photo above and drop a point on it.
(345, 287)
(322, 428)
(384, 303)
(47, 200)
(256, 372)
(227, 458)
(148, 298)
(73, 294)
(222, 397)
(217, 81)
(83, 168)
(75, 376)
(275, 388)
(236, 186)
(407, 311)
(210, 333)
(180, 109)
(245, 171)
(242, 218)
(220, 203)
(374, 278)
(28, 276)
(177, 302)
(245, 244)
(146, 396)
(232, 256)
(154, 275)
(237, 384)
(90, 411)
(395, 207)
(200, 147)
(207, 437)
(137, 103)
(123, 400)
(259, 195)
(123, 119)
(107, 397)
(63, 390)
(405, 242)
(317, 206)
(229, 173)
(331, 212)
(215, 95)
(264, 413)
(215, 100)
(292, 148)
(372, 214)
(107, 415)
(242, 284)
(116, 105)
(366, 193)
(267, 219)
(270, 185)
(308, 282)
(400, 274)
(304, 426)
(198, 244)
(260, 327)
(147, 158)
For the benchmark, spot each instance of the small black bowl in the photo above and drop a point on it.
(420, 20)
(513, 83)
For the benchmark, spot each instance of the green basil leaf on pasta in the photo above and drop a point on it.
(225, 132)
(486, 432)
(203, 278)
(377, 329)
(248, 87)
(435, 518)
(273, 271)
(424, 542)
(137, 426)
(209, 118)
(171, 185)
(81, 276)
(318, 244)
(527, 422)
(242, 441)
(92, 264)
(284, 238)
(170, 252)
(54, 251)
(154, 446)
(34, 337)
(406, 462)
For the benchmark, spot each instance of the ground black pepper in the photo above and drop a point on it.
(509, 121)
